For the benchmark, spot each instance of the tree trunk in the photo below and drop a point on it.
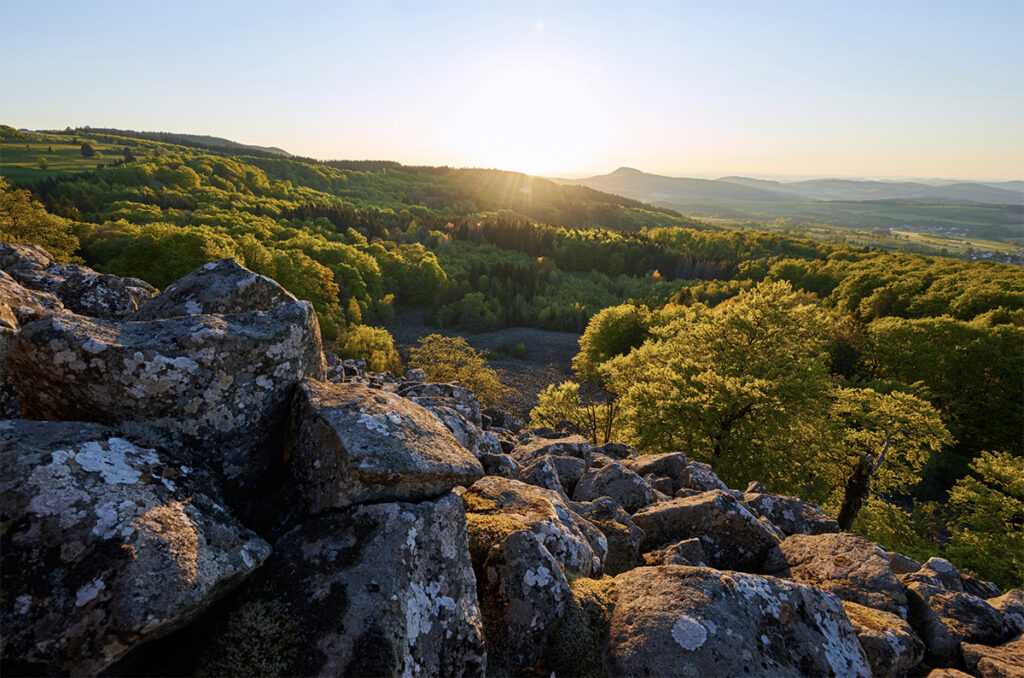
(857, 487)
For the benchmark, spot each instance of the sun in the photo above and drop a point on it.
(532, 117)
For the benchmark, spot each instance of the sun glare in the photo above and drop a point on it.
(532, 117)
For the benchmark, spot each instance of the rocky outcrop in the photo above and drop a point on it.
(106, 545)
(944, 619)
(890, 644)
(534, 448)
(1004, 661)
(620, 532)
(616, 481)
(222, 287)
(500, 465)
(732, 536)
(523, 597)
(678, 621)
(848, 566)
(352, 444)
(378, 589)
(573, 542)
(791, 515)
(217, 383)
(1011, 605)
(689, 552)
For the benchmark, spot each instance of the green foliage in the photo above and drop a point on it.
(373, 344)
(452, 359)
(23, 220)
(559, 404)
(612, 332)
(743, 386)
(87, 150)
(987, 530)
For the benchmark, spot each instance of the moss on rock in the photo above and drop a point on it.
(576, 643)
(259, 639)
(483, 532)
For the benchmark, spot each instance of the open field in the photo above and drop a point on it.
(19, 160)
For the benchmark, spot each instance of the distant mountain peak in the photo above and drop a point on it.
(625, 170)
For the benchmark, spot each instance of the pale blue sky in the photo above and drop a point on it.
(924, 88)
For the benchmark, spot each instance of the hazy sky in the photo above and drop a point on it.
(826, 87)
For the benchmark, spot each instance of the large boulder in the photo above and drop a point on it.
(688, 621)
(522, 598)
(100, 295)
(944, 619)
(890, 644)
(20, 304)
(23, 257)
(573, 541)
(222, 287)
(1011, 605)
(106, 545)
(686, 552)
(1003, 661)
(219, 383)
(618, 482)
(500, 465)
(352, 444)
(672, 465)
(848, 566)
(732, 536)
(699, 476)
(791, 515)
(543, 473)
(620, 532)
(468, 434)
(534, 448)
(451, 395)
(372, 590)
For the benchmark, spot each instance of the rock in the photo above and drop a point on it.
(937, 572)
(352, 444)
(220, 287)
(106, 545)
(571, 446)
(469, 436)
(662, 484)
(890, 644)
(732, 537)
(98, 295)
(415, 374)
(617, 451)
(850, 567)
(689, 552)
(25, 257)
(20, 305)
(502, 419)
(542, 473)
(754, 487)
(944, 619)
(791, 515)
(699, 476)
(452, 395)
(566, 535)
(576, 644)
(977, 587)
(219, 383)
(522, 600)
(500, 465)
(1004, 661)
(948, 673)
(376, 589)
(671, 465)
(621, 533)
(688, 621)
(902, 564)
(616, 481)
(1011, 604)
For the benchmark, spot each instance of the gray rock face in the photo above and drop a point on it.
(20, 305)
(523, 597)
(353, 444)
(699, 476)
(689, 552)
(937, 572)
(26, 257)
(732, 536)
(542, 473)
(890, 644)
(452, 395)
(378, 589)
(469, 436)
(222, 287)
(99, 295)
(670, 465)
(944, 619)
(566, 535)
(621, 533)
(902, 564)
(532, 450)
(106, 545)
(1011, 604)
(221, 383)
(687, 621)
(616, 481)
(850, 567)
(1004, 661)
(500, 465)
(791, 515)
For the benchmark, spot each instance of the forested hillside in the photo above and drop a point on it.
(790, 361)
